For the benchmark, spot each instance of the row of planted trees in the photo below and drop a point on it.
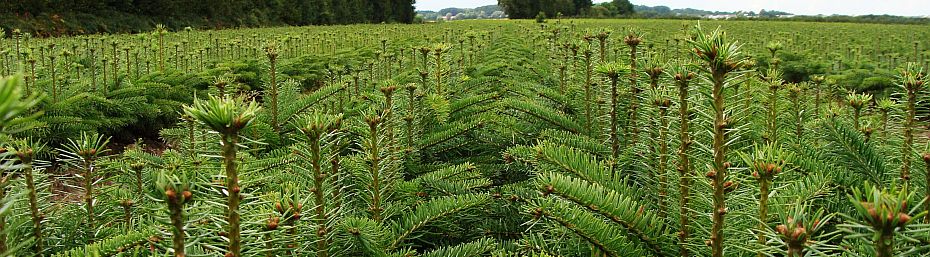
(525, 140)
(790, 154)
(336, 149)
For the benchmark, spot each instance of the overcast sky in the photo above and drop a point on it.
(806, 7)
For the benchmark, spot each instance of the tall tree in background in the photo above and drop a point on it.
(615, 8)
(624, 7)
(526, 9)
(404, 11)
(582, 7)
(177, 14)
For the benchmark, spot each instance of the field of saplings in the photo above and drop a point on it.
(474, 138)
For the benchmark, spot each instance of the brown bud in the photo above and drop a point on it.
(927, 157)
(873, 214)
(171, 194)
(277, 207)
(273, 223)
(903, 219)
(239, 123)
(548, 190)
(769, 168)
(187, 195)
(711, 174)
(798, 234)
(24, 155)
(632, 40)
(782, 229)
(373, 120)
(228, 255)
(388, 90)
(235, 190)
(537, 213)
(729, 186)
(727, 165)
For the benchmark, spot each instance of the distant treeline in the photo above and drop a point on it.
(665, 12)
(878, 19)
(528, 9)
(883, 19)
(62, 17)
(482, 12)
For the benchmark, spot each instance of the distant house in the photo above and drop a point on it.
(721, 16)
(450, 14)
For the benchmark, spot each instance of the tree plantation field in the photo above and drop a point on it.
(474, 138)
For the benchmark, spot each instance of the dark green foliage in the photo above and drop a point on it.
(874, 81)
(474, 138)
(794, 67)
(528, 9)
(64, 17)
(624, 7)
(131, 242)
(615, 8)
(14, 106)
(126, 110)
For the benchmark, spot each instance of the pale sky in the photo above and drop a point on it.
(803, 7)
